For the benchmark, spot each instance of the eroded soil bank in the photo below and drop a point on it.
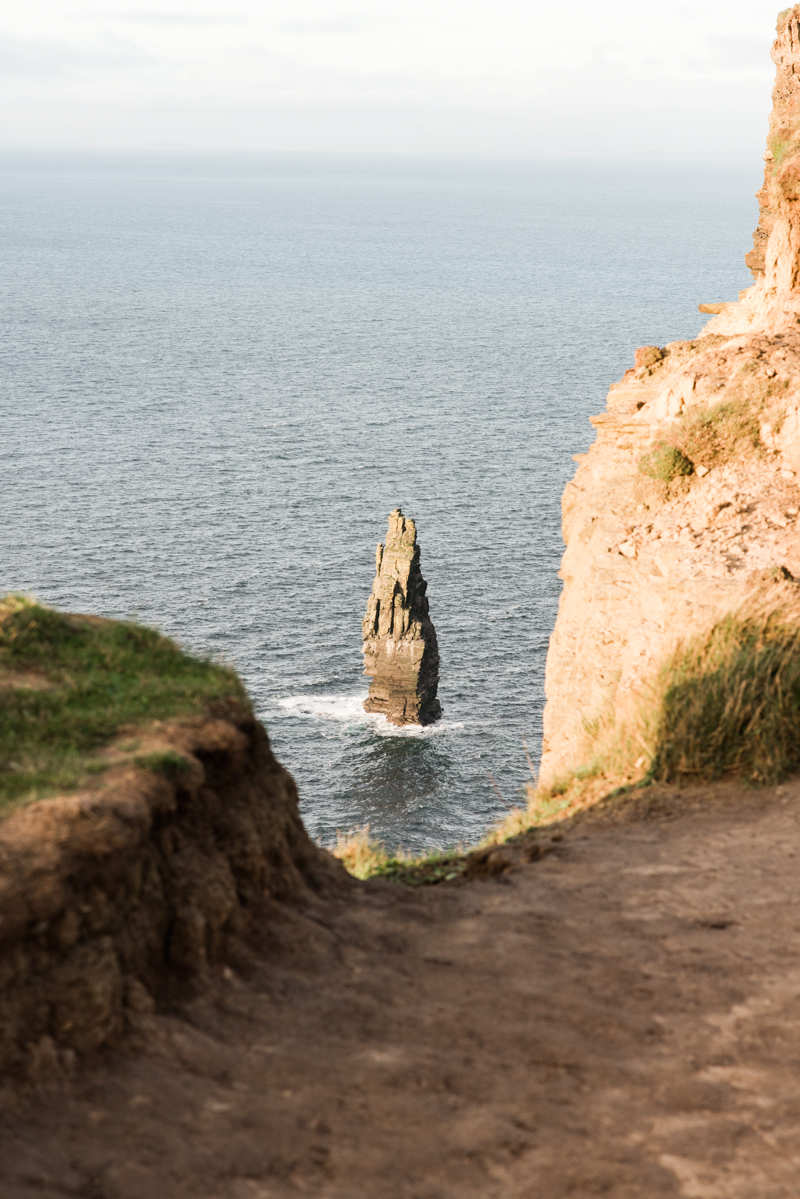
(618, 1018)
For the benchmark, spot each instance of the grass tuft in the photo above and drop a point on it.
(167, 762)
(710, 435)
(665, 462)
(727, 430)
(68, 683)
(544, 807)
(725, 704)
(365, 857)
(782, 143)
(361, 854)
(731, 704)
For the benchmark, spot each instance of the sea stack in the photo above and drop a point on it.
(400, 649)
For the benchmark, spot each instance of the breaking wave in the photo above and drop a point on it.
(349, 710)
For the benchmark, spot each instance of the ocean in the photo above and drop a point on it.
(218, 378)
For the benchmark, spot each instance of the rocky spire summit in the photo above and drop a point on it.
(400, 649)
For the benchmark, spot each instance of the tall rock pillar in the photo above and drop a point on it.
(400, 649)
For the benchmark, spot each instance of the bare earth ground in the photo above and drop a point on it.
(619, 1018)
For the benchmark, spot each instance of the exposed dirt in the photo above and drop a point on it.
(621, 1017)
(130, 887)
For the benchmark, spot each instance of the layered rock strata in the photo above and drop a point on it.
(400, 648)
(686, 506)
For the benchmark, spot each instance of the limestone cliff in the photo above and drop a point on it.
(400, 649)
(783, 125)
(686, 506)
(773, 302)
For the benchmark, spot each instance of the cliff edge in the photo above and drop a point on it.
(172, 856)
(685, 508)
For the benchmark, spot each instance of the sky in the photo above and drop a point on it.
(520, 77)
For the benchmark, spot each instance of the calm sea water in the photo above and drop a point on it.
(218, 379)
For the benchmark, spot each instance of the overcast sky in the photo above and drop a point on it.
(508, 76)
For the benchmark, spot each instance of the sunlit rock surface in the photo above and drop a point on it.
(400, 649)
(652, 560)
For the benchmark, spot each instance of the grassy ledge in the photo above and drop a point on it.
(711, 436)
(69, 684)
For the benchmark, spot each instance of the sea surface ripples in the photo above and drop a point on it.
(218, 379)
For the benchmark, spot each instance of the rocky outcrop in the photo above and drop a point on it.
(400, 649)
(115, 899)
(783, 126)
(686, 506)
(773, 302)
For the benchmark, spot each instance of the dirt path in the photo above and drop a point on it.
(620, 1018)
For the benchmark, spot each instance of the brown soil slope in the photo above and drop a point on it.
(136, 887)
(619, 1018)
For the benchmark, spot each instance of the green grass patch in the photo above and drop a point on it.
(665, 462)
(167, 762)
(731, 704)
(727, 430)
(784, 142)
(85, 678)
(780, 147)
(366, 857)
(725, 704)
(707, 437)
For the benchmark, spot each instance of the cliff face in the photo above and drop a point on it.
(773, 303)
(118, 897)
(783, 125)
(685, 508)
(400, 648)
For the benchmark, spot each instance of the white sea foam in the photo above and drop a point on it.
(349, 710)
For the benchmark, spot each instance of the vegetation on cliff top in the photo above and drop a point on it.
(68, 684)
(725, 704)
(730, 704)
